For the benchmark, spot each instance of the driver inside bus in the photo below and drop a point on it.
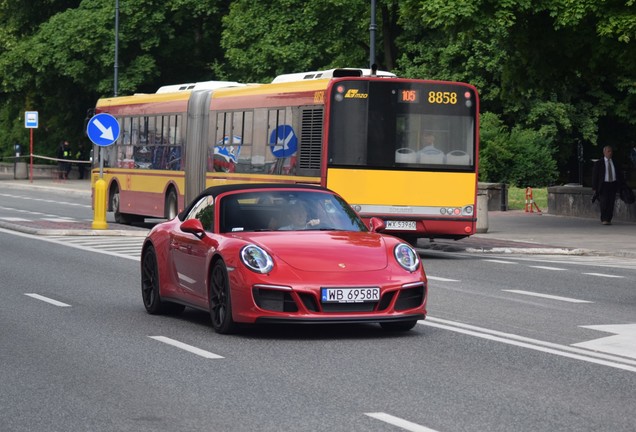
(428, 142)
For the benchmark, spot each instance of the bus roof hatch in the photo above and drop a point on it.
(330, 73)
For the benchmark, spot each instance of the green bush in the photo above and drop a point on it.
(518, 157)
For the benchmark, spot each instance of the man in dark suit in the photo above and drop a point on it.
(606, 179)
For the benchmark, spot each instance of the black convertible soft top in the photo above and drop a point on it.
(215, 191)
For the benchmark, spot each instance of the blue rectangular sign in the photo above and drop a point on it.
(31, 119)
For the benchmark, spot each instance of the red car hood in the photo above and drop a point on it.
(328, 251)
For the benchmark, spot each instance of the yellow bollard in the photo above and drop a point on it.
(99, 205)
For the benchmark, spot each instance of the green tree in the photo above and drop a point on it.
(519, 157)
(265, 39)
(59, 61)
(564, 68)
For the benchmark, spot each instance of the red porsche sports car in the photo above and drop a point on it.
(268, 253)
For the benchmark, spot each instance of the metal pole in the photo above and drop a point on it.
(31, 157)
(372, 29)
(115, 82)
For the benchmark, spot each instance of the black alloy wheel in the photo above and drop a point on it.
(150, 286)
(220, 301)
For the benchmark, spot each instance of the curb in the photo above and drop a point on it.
(538, 250)
(61, 188)
(73, 232)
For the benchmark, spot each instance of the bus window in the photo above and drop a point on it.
(372, 127)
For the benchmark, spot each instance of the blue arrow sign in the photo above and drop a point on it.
(103, 129)
(283, 142)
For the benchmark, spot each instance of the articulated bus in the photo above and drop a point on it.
(403, 150)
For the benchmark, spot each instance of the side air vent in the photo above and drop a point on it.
(311, 139)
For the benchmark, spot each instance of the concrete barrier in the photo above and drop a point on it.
(21, 171)
(497, 195)
(482, 212)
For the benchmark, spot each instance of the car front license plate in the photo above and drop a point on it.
(401, 225)
(350, 295)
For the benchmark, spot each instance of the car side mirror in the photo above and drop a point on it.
(376, 224)
(193, 226)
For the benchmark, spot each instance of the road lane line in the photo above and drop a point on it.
(533, 344)
(547, 268)
(500, 261)
(186, 347)
(47, 300)
(441, 279)
(548, 296)
(604, 275)
(399, 422)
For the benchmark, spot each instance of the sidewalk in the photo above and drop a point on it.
(45, 227)
(508, 232)
(541, 233)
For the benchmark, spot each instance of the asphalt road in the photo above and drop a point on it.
(95, 364)
(511, 343)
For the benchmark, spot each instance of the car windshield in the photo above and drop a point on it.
(284, 210)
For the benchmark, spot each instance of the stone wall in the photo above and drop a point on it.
(21, 171)
(577, 201)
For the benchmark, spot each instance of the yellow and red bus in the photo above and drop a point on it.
(404, 150)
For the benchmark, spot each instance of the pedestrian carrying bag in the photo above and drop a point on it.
(626, 194)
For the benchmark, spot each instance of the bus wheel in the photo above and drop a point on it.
(171, 208)
(120, 218)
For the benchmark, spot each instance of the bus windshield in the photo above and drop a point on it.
(402, 125)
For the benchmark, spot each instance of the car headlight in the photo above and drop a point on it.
(256, 259)
(406, 257)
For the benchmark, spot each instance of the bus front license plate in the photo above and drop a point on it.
(350, 295)
(401, 225)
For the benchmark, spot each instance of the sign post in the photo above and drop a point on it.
(103, 130)
(31, 122)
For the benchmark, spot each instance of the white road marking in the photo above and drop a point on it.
(47, 300)
(186, 347)
(441, 279)
(604, 275)
(623, 342)
(399, 422)
(548, 296)
(500, 261)
(547, 268)
(46, 200)
(14, 219)
(534, 344)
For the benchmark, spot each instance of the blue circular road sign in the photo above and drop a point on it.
(283, 141)
(103, 129)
